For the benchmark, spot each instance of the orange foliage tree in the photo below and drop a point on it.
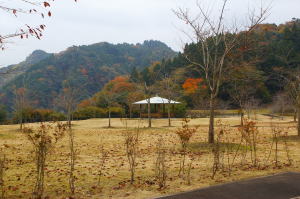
(116, 90)
(196, 89)
(191, 85)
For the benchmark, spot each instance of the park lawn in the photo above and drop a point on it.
(91, 134)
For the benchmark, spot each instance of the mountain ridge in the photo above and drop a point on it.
(86, 66)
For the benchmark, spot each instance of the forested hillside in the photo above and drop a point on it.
(262, 70)
(12, 71)
(257, 72)
(86, 68)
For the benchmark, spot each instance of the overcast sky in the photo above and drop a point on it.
(119, 21)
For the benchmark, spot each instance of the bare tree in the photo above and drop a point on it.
(21, 102)
(110, 98)
(213, 42)
(281, 103)
(68, 101)
(147, 86)
(244, 81)
(169, 89)
(293, 87)
(131, 98)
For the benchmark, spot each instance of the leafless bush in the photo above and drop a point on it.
(72, 160)
(279, 133)
(103, 158)
(131, 145)
(160, 166)
(226, 149)
(276, 131)
(217, 153)
(188, 173)
(43, 140)
(287, 150)
(249, 133)
(2, 172)
(232, 146)
(218, 150)
(185, 133)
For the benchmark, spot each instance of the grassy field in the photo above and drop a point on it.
(91, 134)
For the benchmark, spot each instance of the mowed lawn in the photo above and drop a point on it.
(91, 134)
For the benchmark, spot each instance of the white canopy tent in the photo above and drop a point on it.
(157, 100)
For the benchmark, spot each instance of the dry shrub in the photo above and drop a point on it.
(72, 160)
(131, 145)
(227, 148)
(103, 159)
(249, 132)
(287, 150)
(160, 165)
(217, 151)
(185, 133)
(2, 172)
(188, 172)
(43, 140)
(279, 134)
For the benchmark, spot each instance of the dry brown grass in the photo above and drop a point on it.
(115, 182)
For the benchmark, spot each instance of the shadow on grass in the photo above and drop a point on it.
(7, 136)
(290, 138)
(204, 146)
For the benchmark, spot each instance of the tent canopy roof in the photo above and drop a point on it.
(157, 100)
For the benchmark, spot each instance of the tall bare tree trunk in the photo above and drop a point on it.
(298, 122)
(211, 119)
(130, 112)
(21, 120)
(69, 118)
(149, 114)
(242, 117)
(169, 114)
(21, 124)
(109, 117)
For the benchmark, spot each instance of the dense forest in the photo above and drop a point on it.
(87, 68)
(261, 64)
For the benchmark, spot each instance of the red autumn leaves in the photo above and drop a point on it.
(192, 85)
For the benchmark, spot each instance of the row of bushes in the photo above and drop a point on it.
(206, 113)
(38, 115)
(41, 115)
(118, 112)
(96, 112)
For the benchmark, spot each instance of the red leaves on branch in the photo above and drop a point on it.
(29, 31)
(46, 4)
(191, 85)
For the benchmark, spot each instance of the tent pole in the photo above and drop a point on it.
(140, 111)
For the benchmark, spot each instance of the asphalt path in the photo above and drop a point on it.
(279, 186)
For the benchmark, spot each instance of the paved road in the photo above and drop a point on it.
(280, 186)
